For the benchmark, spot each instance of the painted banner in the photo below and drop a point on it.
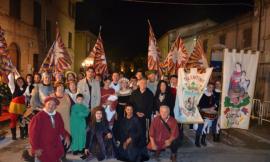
(239, 76)
(190, 89)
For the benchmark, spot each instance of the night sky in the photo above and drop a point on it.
(124, 24)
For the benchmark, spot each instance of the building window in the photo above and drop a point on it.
(247, 34)
(205, 45)
(15, 8)
(69, 40)
(37, 14)
(35, 62)
(71, 9)
(48, 32)
(222, 39)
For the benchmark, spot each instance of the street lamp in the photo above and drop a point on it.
(89, 61)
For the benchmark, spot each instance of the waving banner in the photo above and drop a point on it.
(239, 76)
(190, 89)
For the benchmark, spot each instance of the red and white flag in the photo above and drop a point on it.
(197, 59)
(98, 53)
(58, 59)
(153, 51)
(176, 58)
(6, 65)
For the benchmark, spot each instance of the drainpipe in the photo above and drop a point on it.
(260, 23)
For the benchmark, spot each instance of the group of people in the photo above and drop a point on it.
(102, 117)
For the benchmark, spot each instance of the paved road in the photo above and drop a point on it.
(236, 146)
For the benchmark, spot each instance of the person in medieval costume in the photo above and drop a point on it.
(90, 88)
(123, 97)
(130, 135)
(164, 133)
(79, 112)
(108, 101)
(48, 147)
(99, 139)
(41, 91)
(207, 106)
(17, 106)
(64, 104)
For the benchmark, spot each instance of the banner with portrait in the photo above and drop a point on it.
(190, 88)
(239, 76)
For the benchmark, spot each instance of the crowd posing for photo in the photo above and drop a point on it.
(111, 117)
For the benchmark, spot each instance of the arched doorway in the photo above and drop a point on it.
(15, 54)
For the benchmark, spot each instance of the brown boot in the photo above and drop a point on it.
(173, 157)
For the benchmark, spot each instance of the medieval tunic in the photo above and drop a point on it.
(130, 128)
(64, 110)
(45, 135)
(160, 133)
(79, 112)
(99, 146)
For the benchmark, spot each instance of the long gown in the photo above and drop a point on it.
(99, 146)
(64, 109)
(136, 151)
(79, 112)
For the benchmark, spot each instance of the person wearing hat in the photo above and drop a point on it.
(70, 76)
(152, 81)
(48, 147)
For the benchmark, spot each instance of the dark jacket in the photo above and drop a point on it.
(142, 102)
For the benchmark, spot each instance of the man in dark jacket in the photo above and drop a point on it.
(142, 100)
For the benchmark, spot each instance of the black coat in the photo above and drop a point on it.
(168, 100)
(142, 102)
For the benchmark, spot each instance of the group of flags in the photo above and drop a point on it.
(178, 57)
(58, 59)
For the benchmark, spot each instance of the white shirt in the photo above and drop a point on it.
(115, 87)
